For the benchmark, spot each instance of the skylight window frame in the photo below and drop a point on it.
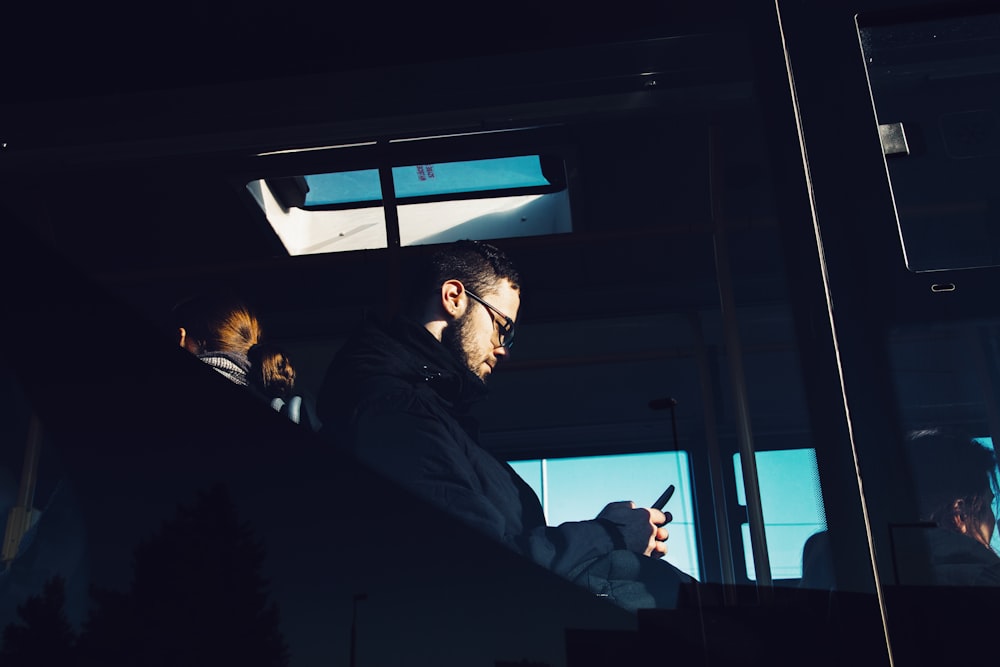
(550, 143)
(385, 173)
(426, 199)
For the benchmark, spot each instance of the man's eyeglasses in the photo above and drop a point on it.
(505, 330)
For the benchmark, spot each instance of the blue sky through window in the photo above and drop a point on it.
(573, 489)
(427, 179)
(576, 489)
(343, 187)
(995, 540)
(793, 508)
(469, 176)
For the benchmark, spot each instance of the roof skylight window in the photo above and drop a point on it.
(429, 203)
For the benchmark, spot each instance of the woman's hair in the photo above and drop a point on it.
(271, 371)
(955, 479)
(217, 323)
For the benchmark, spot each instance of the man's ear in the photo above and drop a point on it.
(453, 299)
(183, 335)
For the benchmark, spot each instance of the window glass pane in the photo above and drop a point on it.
(343, 187)
(469, 176)
(313, 232)
(305, 232)
(578, 488)
(532, 473)
(936, 90)
(946, 378)
(793, 508)
(987, 442)
(492, 218)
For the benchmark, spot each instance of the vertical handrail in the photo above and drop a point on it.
(734, 355)
(718, 487)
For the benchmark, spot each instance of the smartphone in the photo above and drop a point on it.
(664, 497)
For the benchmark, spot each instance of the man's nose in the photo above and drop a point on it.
(499, 351)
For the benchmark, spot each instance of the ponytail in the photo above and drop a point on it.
(271, 371)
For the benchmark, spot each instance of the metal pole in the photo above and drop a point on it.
(721, 513)
(354, 627)
(734, 354)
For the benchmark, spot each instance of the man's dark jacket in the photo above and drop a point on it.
(400, 399)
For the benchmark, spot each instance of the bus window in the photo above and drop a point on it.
(577, 488)
(933, 84)
(946, 380)
(793, 508)
(987, 442)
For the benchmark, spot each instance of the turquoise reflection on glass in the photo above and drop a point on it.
(343, 187)
(442, 178)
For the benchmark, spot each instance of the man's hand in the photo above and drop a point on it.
(642, 527)
(658, 540)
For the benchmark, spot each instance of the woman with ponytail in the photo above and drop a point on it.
(225, 333)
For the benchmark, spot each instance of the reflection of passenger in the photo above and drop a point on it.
(399, 396)
(52, 542)
(955, 479)
(817, 562)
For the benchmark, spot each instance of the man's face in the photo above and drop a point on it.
(474, 335)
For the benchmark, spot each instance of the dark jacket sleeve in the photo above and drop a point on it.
(432, 459)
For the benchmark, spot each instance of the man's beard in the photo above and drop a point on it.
(457, 337)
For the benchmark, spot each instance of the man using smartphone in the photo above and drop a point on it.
(397, 396)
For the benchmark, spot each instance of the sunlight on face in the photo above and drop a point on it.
(474, 335)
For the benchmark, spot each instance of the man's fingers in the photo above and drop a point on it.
(658, 542)
(656, 517)
(658, 549)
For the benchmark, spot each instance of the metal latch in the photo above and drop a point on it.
(893, 139)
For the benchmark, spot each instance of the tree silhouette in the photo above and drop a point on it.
(46, 636)
(197, 598)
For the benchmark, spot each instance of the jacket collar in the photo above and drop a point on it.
(233, 366)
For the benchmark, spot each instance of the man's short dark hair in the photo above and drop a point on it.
(478, 265)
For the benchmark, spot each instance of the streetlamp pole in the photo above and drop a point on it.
(354, 626)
